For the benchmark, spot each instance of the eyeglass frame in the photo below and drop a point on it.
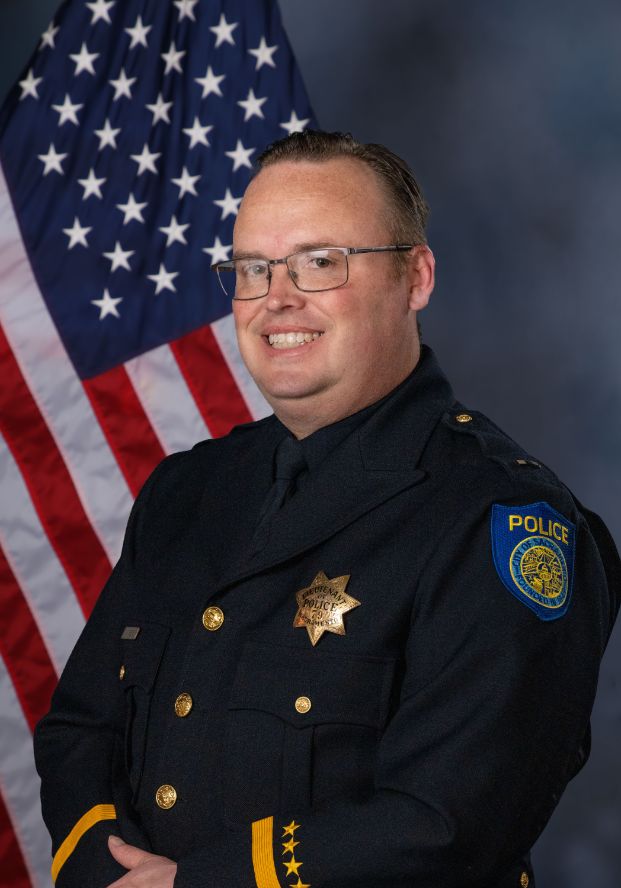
(347, 251)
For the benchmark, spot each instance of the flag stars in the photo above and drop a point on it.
(198, 133)
(174, 232)
(219, 252)
(240, 156)
(138, 33)
(252, 105)
(294, 124)
(160, 110)
(107, 305)
(122, 85)
(119, 257)
(186, 9)
(132, 210)
(186, 183)
(173, 59)
(264, 54)
(229, 204)
(49, 36)
(84, 60)
(52, 161)
(77, 234)
(100, 11)
(224, 31)
(107, 136)
(91, 185)
(67, 112)
(210, 83)
(146, 160)
(163, 279)
(29, 85)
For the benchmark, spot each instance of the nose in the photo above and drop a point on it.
(283, 293)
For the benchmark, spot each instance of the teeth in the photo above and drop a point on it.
(292, 339)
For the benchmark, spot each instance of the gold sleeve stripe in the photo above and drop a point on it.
(99, 812)
(263, 853)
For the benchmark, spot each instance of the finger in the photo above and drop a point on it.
(127, 855)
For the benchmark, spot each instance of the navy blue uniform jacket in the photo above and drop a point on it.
(443, 726)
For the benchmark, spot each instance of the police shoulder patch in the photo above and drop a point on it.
(534, 549)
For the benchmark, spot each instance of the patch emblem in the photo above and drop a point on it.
(321, 606)
(534, 550)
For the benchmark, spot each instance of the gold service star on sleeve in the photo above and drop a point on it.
(289, 846)
(321, 606)
(293, 866)
(289, 830)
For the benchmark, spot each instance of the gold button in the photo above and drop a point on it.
(183, 705)
(166, 796)
(122, 673)
(524, 880)
(463, 417)
(302, 705)
(213, 618)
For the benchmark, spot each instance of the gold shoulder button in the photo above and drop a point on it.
(524, 880)
(463, 417)
(166, 796)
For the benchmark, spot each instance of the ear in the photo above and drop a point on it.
(421, 276)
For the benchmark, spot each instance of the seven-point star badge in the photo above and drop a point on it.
(321, 606)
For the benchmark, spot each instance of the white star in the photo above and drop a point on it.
(107, 305)
(210, 83)
(91, 185)
(107, 135)
(119, 257)
(173, 58)
(99, 9)
(294, 124)
(240, 156)
(76, 234)
(163, 279)
(122, 86)
(49, 35)
(186, 7)
(174, 232)
(219, 252)
(84, 60)
(29, 85)
(229, 204)
(146, 160)
(139, 33)
(52, 161)
(263, 54)
(67, 111)
(252, 105)
(186, 183)
(197, 133)
(159, 110)
(132, 210)
(224, 31)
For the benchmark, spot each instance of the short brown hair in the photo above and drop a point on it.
(409, 208)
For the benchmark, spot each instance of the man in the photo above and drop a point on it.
(355, 643)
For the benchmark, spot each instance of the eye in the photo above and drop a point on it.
(252, 268)
(319, 260)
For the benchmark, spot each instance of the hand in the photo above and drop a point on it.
(145, 870)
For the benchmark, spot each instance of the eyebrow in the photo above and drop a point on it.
(297, 248)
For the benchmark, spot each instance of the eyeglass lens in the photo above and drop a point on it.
(311, 270)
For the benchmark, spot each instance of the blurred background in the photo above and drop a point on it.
(510, 116)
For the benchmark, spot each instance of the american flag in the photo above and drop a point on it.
(125, 148)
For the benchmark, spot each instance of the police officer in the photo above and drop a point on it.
(357, 642)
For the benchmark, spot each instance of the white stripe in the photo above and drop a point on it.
(19, 783)
(224, 331)
(57, 390)
(166, 399)
(40, 575)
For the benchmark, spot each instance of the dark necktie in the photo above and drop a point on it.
(289, 462)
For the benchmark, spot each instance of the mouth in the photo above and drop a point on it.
(292, 339)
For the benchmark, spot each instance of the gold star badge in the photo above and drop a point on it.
(321, 606)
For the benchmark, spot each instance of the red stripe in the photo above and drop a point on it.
(209, 379)
(12, 865)
(49, 484)
(125, 425)
(23, 649)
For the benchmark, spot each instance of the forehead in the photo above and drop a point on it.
(301, 201)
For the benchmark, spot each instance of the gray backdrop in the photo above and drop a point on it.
(510, 114)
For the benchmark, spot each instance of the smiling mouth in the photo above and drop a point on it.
(292, 339)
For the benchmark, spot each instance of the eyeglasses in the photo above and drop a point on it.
(312, 271)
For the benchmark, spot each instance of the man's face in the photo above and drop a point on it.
(364, 333)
